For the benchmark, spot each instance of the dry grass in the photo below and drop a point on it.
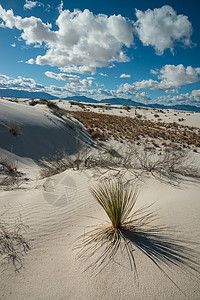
(104, 127)
(14, 129)
(13, 245)
(8, 165)
(10, 177)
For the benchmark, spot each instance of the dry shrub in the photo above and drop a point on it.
(8, 165)
(11, 178)
(14, 129)
(119, 127)
(13, 245)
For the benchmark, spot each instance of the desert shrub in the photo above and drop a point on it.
(14, 129)
(11, 178)
(8, 165)
(54, 164)
(138, 116)
(13, 245)
(172, 161)
(42, 101)
(52, 105)
(33, 102)
(130, 128)
(61, 161)
(81, 105)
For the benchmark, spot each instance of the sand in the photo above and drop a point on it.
(58, 210)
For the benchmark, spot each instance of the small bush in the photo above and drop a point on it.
(13, 245)
(14, 129)
(8, 165)
(52, 105)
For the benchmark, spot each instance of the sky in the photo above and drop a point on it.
(147, 51)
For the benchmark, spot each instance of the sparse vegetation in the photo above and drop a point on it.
(13, 245)
(52, 105)
(8, 165)
(10, 176)
(33, 102)
(131, 159)
(14, 129)
(105, 127)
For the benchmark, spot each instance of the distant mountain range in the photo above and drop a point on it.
(114, 101)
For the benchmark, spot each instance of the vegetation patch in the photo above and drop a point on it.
(104, 127)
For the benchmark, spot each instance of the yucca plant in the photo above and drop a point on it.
(118, 204)
(130, 229)
(116, 201)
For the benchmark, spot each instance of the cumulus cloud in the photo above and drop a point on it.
(60, 7)
(196, 94)
(144, 96)
(4, 77)
(21, 83)
(179, 75)
(192, 98)
(105, 92)
(103, 74)
(74, 79)
(78, 69)
(125, 75)
(171, 77)
(34, 30)
(31, 4)
(76, 86)
(162, 28)
(82, 38)
(30, 61)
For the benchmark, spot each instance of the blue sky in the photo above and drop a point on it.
(146, 51)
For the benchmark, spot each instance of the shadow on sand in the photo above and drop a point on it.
(161, 244)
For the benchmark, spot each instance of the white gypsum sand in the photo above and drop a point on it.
(58, 209)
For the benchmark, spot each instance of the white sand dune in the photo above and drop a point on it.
(42, 132)
(59, 209)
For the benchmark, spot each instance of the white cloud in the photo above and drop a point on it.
(21, 83)
(4, 77)
(76, 86)
(162, 28)
(149, 84)
(13, 45)
(78, 69)
(105, 92)
(179, 75)
(154, 72)
(82, 38)
(74, 79)
(60, 7)
(34, 31)
(103, 74)
(196, 95)
(30, 61)
(189, 99)
(125, 75)
(171, 77)
(31, 4)
(144, 96)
